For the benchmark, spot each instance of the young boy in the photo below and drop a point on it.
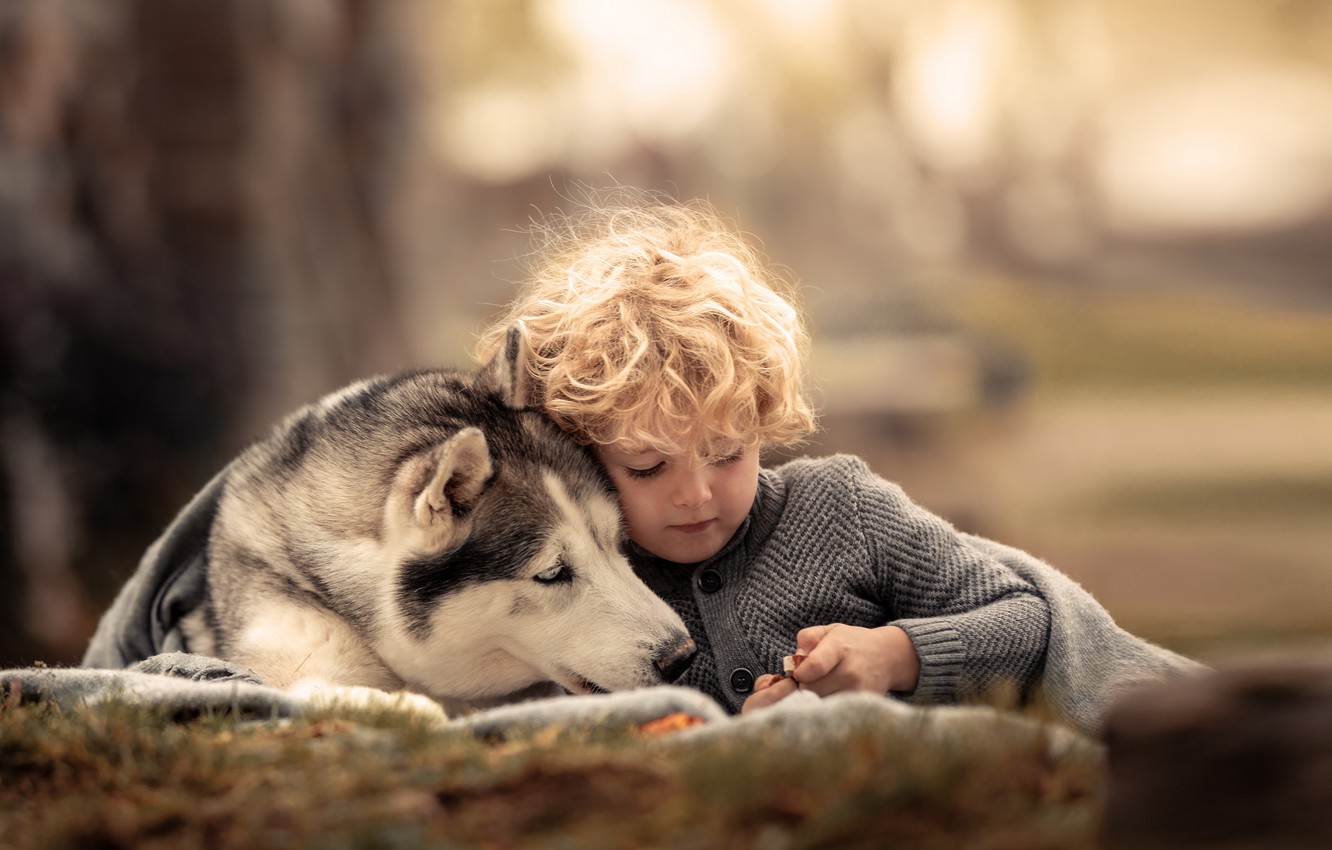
(656, 337)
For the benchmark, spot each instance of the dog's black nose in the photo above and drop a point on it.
(675, 659)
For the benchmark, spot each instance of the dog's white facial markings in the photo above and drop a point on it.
(599, 629)
(469, 653)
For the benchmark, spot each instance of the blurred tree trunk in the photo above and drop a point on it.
(195, 203)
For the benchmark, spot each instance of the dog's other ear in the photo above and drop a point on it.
(461, 472)
(507, 369)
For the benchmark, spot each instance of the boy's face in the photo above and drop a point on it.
(681, 511)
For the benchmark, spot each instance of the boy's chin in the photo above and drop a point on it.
(685, 552)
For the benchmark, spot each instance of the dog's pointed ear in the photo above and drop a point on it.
(507, 369)
(461, 472)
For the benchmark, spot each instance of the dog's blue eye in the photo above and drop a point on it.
(557, 573)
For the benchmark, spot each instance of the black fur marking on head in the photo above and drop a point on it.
(295, 444)
(501, 544)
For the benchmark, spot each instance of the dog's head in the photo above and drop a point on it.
(510, 570)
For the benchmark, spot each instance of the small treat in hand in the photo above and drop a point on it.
(790, 663)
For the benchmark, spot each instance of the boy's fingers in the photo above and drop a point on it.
(822, 655)
(764, 681)
(807, 641)
(773, 692)
(809, 637)
(819, 663)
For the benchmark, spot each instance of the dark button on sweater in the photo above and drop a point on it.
(742, 681)
(710, 581)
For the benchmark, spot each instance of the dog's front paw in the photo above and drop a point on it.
(330, 696)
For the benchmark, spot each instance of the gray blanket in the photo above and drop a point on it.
(187, 686)
(1089, 660)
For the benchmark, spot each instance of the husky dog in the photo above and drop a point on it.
(426, 531)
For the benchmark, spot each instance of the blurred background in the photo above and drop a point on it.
(1068, 264)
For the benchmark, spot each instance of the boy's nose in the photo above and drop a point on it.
(692, 490)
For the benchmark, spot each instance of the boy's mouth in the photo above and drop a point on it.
(694, 528)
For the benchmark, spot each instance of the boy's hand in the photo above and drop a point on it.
(839, 657)
(852, 658)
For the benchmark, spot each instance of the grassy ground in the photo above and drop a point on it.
(121, 777)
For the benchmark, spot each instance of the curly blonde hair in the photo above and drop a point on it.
(654, 326)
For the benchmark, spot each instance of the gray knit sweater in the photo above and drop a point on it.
(828, 541)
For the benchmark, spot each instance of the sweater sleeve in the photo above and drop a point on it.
(976, 624)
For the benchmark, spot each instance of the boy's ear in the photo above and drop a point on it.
(506, 371)
(460, 472)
